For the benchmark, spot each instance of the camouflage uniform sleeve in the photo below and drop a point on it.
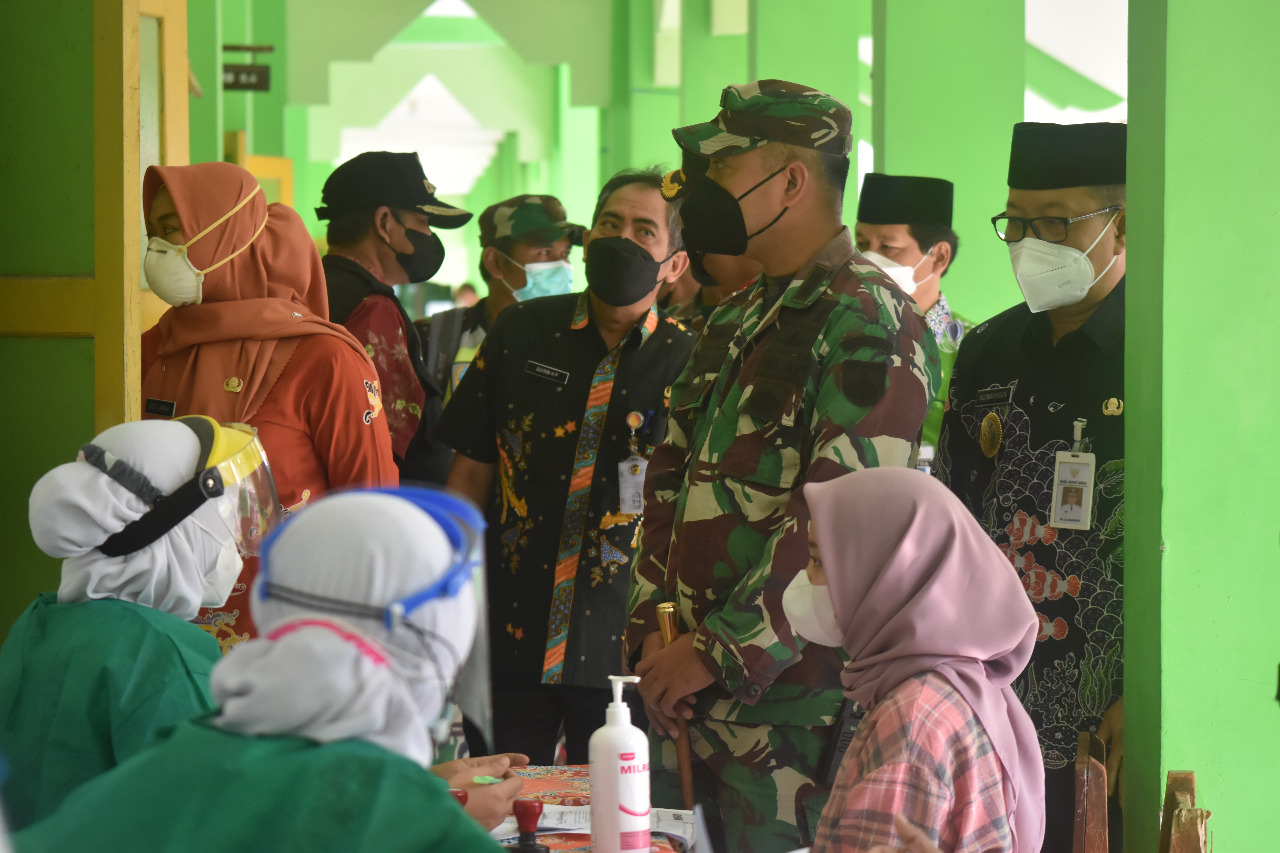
(663, 479)
(879, 372)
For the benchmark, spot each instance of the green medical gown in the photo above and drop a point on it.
(85, 685)
(205, 789)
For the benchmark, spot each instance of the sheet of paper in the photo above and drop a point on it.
(674, 822)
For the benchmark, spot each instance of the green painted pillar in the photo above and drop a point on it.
(947, 90)
(1201, 585)
(269, 28)
(46, 230)
(829, 60)
(204, 49)
(575, 176)
(635, 128)
(708, 63)
(237, 28)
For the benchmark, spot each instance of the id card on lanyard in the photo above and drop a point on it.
(631, 472)
(1073, 473)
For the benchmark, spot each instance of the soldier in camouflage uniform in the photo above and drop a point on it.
(820, 366)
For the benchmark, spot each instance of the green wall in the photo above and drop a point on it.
(1201, 645)
(62, 409)
(927, 122)
(46, 154)
(46, 229)
(204, 50)
(708, 62)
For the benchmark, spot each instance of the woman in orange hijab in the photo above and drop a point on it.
(248, 340)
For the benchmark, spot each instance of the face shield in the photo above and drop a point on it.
(463, 525)
(232, 473)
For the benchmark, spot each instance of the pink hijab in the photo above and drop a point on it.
(918, 586)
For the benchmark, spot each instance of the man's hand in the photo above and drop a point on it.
(913, 838)
(1111, 732)
(669, 678)
(487, 804)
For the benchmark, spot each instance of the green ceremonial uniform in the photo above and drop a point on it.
(206, 789)
(86, 685)
(835, 375)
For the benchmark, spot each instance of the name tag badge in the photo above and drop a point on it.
(545, 371)
(631, 484)
(1072, 490)
(162, 408)
(995, 396)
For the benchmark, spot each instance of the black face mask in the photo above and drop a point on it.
(427, 257)
(698, 269)
(620, 272)
(713, 220)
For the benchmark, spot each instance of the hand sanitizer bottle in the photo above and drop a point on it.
(619, 779)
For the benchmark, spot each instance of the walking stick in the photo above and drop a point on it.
(684, 752)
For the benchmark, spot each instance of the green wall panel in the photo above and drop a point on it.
(269, 107)
(1218, 585)
(46, 154)
(204, 48)
(1144, 438)
(62, 370)
(943, 112)
(237, 28)
(708, 63)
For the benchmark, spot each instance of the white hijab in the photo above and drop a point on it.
(75, 507)
(330, 677)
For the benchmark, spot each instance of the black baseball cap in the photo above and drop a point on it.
(374, 178)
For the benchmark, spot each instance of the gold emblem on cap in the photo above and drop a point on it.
(991, 434)
(1113, 406)
(233, 385)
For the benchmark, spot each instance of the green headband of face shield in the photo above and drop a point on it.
(232, 472)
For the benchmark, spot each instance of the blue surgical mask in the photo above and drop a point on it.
(549, 278)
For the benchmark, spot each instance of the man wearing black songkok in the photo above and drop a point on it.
(1036, 410)
(904, 227)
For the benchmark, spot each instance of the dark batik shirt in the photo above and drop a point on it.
(547, 402)
(1009, 368)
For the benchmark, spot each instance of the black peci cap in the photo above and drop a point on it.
(1053, 156)
(905, 200)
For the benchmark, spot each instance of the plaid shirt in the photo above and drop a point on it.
(923, 754)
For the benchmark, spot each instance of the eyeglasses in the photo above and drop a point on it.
(1051, 229)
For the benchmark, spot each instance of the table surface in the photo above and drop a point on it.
(571, 786)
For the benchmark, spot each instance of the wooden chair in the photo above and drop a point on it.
(1090, 832)
(1183, 827)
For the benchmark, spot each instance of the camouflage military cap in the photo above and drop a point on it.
(754, 114)
(537, 220)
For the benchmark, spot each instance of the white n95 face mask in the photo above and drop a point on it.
(809, 610)
(170, 273)
(1054, 275)
(903, 276)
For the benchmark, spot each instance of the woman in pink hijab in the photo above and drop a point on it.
(936, 625)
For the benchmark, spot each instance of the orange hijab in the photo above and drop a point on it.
(221, 357)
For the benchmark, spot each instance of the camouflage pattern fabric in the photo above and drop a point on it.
(753, 114)
(758, 777)
(836, 375)
(536, 220)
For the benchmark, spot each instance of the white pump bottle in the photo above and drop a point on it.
(619, 779)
